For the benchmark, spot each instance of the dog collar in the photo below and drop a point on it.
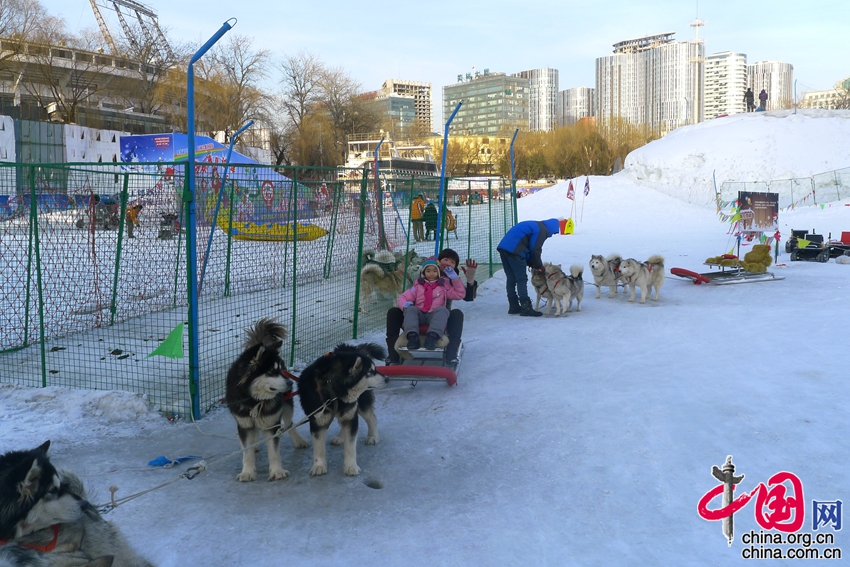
(45, 548)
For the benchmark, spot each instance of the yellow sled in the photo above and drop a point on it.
(273, 231)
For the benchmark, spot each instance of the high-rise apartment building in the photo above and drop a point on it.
(652, 80)
(777, 79)
(725, 84)
(493, 103)
(575, 104)
(420, 92)
(543, 98)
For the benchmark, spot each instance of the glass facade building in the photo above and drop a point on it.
(575, 104)
(419, 92)
(542, 98)
(652, 80)
(493, 103)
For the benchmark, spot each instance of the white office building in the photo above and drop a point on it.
(725, 84)
(653, 81)
(575, 104)
(543, 101)
(777, 79)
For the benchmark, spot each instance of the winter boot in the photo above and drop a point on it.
(412, 341)
(514, 308)
(527, 311)
(431, 340)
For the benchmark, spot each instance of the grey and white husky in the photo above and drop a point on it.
(606, 271)
(564, 288)
(645, 275)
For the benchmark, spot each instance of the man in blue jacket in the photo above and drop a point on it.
(520, 248)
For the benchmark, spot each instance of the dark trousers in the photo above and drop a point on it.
(516, 276)
(454, 328)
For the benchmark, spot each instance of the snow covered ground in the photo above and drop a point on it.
(581, 440)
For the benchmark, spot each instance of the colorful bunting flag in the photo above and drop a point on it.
(586, 186)
(571, 193)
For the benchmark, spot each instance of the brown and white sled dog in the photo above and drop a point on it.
(347, 376)
(47, 521)
(645, 275)
(258, 396)
(538, 280)
(606, 271)
(564, 288)
(379, 275)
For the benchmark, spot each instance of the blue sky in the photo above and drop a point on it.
(435, 41)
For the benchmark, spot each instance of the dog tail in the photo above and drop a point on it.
(266, 332)
(576, 270)
(656, 259)
(374, 269)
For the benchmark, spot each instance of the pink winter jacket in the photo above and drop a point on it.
(445, 289)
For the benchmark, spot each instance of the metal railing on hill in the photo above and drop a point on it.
(818, 189)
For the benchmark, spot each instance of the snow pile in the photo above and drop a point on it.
(758, 146)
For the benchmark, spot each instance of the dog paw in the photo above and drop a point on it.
(336, 440)
(300, 443)
(371, 439)
(642, 301)
(632, 300)
(278, 474)
(351, 470)
(246, 476)
(319, 469)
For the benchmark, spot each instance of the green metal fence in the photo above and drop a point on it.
(94, 274)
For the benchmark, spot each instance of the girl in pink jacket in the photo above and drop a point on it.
(425, 303)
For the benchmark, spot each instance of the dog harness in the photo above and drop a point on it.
(45, 548)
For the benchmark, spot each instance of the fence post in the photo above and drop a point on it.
(363, 194)
(490, 225)
(38, 282)
(30, 251)
(294, 226)
(814, 195)
(229, 242)
(329, 250)
(114, 300)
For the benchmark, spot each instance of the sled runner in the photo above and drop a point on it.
(423, 365)
(725, 276)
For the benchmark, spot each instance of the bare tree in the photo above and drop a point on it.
(19, 19)
(301, 87)
(63, 69)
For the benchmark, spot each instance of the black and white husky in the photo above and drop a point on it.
(47, 521)
(259, 396)
(346, 375)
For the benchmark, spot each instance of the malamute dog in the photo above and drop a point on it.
(256, 394)
(47, 520)
(564, 288)
(645, 275)
(606, 271)
(347, 374)
(379, 274)
(538, 280)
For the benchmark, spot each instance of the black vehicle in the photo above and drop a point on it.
(815, 249)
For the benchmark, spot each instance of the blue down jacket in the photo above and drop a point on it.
(525, 239)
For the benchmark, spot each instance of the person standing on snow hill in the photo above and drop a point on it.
(763, 100)
(425, 303)
(749, 98)
(521, 247)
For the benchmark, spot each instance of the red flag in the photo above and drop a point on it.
(586, 186)
(571, 193)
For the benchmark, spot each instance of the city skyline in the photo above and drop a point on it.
(452, 38)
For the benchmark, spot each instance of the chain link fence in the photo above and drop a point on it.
(95, 265)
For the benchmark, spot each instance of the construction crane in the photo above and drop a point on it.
(146, 18)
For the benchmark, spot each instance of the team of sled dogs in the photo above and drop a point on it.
(559, 289)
